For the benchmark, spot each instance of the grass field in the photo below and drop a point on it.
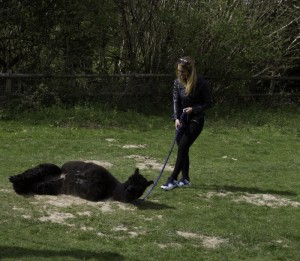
(244, 202)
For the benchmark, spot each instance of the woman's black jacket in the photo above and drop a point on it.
(199, 99)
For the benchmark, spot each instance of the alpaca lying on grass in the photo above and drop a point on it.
(85, 180)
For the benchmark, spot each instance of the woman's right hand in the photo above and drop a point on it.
(177, 124)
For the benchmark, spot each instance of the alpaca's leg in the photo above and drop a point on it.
(51, 187)
(38, 173)
(25, 182)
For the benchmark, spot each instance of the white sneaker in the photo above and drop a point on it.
(183, 182)
(170, 184)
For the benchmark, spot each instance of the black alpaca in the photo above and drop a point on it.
(86, 180)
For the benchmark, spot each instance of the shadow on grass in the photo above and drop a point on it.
(248, 190)
(144, 205)
(21, 252)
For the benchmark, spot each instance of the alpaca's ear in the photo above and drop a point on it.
(137, 171)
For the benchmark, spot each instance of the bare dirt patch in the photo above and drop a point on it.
(84, 228)
(120, 228)
(258, 199)
(62, 201)
(147, 163)
(56, 217)
(53, 211)
(85, 213)
(126, 233)
(207, 242)
(6, 190)
(169, 245)
(111, 140)
(211, 194)
(267, 200)
(134, 146)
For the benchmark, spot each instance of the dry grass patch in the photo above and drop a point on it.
(169, 245)
(134, 146)
(57, 217)
(207, 242)
(256, 199)
(113, 142)
(52, 209)
(63, 201)
(267, 200)
(147, 163)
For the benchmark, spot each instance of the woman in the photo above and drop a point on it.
(191, 97)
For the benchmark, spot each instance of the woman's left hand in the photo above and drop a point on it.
(188, 110)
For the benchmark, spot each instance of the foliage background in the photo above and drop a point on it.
(228, 38)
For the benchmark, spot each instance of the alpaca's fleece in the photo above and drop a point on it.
(78, 178)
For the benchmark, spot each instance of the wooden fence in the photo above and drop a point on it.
(270, 82)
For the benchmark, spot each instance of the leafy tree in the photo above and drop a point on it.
(227, 37)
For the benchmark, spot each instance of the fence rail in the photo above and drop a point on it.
(118, 86)
(76, 76)
(10, 75)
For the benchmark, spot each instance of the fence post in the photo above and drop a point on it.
(272, 85)
(8, 83)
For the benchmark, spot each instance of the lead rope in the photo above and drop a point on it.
(166, 161)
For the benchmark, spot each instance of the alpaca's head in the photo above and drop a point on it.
(135, 186)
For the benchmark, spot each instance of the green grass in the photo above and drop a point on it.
(240, 154)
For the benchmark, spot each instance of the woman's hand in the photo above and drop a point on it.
(177, 124)
(188, 110)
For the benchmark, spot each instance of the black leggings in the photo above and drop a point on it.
(185, 138)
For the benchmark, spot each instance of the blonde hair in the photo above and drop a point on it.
(189, 64)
